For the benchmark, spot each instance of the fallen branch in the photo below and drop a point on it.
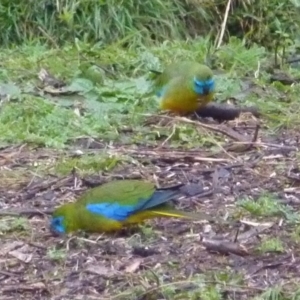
(217, 128)
(243, 146)
(39, 286)
(167, 155)
(225, 247)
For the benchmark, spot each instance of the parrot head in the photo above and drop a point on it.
(57, 225)
(62, 219)
(203, 82)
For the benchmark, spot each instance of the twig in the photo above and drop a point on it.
(283, 147)
(170, 155)
(53, 42)
(257, 228)
(169, 137)
(223, 27)
(255, 136)
(8, 274)
(243, 147)
(256, 73)
(236, 235)
(266, 145)
(36, 245)
(221, 129)
(225, 247)
(24, 288)
(25, 212)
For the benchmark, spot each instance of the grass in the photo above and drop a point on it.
(86, 164)
(265, 205)
(271, 22)
(56, 254)
(119, 99)
(8, 225)
(271, 245)
(103, 128)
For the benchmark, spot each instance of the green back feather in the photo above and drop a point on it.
(126, 192)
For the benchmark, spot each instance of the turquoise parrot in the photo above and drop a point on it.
(184, 87)
(118, 204)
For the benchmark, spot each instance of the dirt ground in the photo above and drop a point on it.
(166, 258)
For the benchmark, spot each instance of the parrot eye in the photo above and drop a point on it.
(57, 225)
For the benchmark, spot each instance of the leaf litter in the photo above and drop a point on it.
(180, 249)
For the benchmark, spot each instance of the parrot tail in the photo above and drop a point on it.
(161, 196)
(196, 216)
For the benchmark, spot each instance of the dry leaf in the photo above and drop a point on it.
(6, 248)
(24, 257)
(38, 286)
(101, 270)
(256, 224)
(134, 266)
(24, 288)
(257, 228)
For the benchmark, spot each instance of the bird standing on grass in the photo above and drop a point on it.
(118, 204)
(184, 87)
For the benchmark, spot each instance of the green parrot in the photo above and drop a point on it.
(184, 87)
(118, 204)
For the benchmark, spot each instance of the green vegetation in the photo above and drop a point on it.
(56, 254)
(13, 225)
(58, 119)
(265, 205)
(271, 245)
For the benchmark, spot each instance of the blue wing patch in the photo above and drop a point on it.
(117, 212)
(111, 210)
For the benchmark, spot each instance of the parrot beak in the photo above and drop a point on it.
(206, 90)
(208, 87)
(54, 232)
(56, 226)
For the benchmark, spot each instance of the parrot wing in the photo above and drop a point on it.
(121, 210)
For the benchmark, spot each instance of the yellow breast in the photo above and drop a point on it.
(184, 104)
